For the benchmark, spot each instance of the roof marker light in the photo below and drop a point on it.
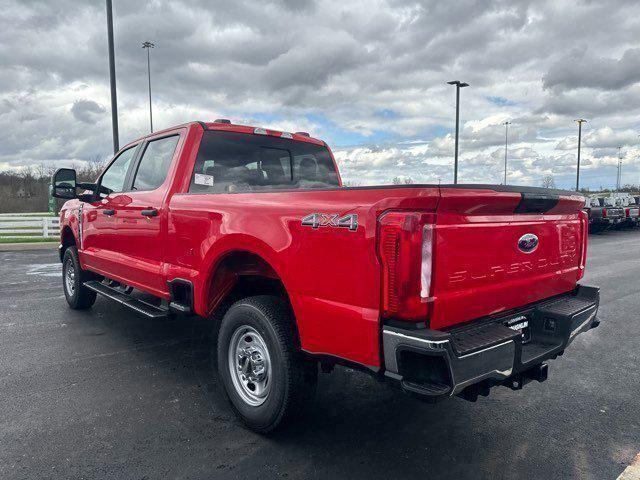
(222, 120)
(286, 135)
(260, 131)
(303, 134)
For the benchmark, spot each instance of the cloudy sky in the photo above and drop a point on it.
(369, 77)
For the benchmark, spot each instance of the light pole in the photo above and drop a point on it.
(112, 79)
(619, 178)
(458, 85)
(506, 143)
(580, 121)
(148, 46)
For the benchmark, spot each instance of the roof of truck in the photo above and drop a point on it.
(233, 127)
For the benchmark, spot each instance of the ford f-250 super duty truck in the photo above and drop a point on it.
(445, 290)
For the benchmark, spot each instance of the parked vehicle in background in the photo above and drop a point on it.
(442, 289)
(604, 213)
(631, 210)
(616, 201)
(630, 207)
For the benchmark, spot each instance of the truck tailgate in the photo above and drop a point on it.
(498, 250)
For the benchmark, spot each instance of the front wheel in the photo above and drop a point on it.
(78, 296)
(264, 377)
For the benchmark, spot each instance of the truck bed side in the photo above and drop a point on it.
(331, 274)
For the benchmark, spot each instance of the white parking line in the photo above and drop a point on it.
(632, 472)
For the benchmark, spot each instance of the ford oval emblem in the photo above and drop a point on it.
(528, 243)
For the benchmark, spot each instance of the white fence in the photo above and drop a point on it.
(20, 226)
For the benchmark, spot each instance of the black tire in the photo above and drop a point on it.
(78, 296)
(291, 379)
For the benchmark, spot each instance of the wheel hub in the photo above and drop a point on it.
(69, 278)
(250, 365)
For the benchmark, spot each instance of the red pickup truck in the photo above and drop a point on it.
(445, 290)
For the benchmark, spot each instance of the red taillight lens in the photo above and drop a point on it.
(584, 231)
(604, 213)
(405, 249)
(628, 212)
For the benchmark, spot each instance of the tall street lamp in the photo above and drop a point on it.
(506, 142)
(639, 182)
(112, 79)
(458, 85)
(148, 46)
(619, 178)
(580, 121)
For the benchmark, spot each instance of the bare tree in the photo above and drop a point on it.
(402, 180)
(27, 189)
(351, 183)
(548, 182)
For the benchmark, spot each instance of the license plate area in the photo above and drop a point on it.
(520, 323)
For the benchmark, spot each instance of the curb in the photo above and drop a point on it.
(15, 247)
(632, 472)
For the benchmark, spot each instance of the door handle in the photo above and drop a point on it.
(152, 212)
(109, 212)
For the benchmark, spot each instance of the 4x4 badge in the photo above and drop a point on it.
(316, 220)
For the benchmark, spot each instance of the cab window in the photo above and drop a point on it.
(155, 163)
(114, 177)
(231, 162)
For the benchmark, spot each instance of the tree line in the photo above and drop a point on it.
(27, 190)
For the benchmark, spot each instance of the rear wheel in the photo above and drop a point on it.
(264, 377)
(78, 296)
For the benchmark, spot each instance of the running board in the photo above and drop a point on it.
(138, 305)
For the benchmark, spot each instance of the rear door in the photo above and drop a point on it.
(142, 219)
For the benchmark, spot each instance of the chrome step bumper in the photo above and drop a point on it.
(486, 351)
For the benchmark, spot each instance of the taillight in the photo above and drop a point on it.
(584, 231)
(627, 213)
(604, 213)
(405, 249)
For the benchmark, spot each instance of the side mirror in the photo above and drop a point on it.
(64, 183)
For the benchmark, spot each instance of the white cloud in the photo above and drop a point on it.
(367, 76)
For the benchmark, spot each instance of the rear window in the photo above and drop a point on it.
(231, 162)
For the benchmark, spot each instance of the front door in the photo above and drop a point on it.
(98, 229)
(142, 221)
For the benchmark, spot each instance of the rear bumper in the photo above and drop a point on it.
(471, 359)
(631, 220)
(608, 221)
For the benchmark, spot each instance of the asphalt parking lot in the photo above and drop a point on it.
(109, 394)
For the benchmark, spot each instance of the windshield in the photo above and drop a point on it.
(231, 162)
